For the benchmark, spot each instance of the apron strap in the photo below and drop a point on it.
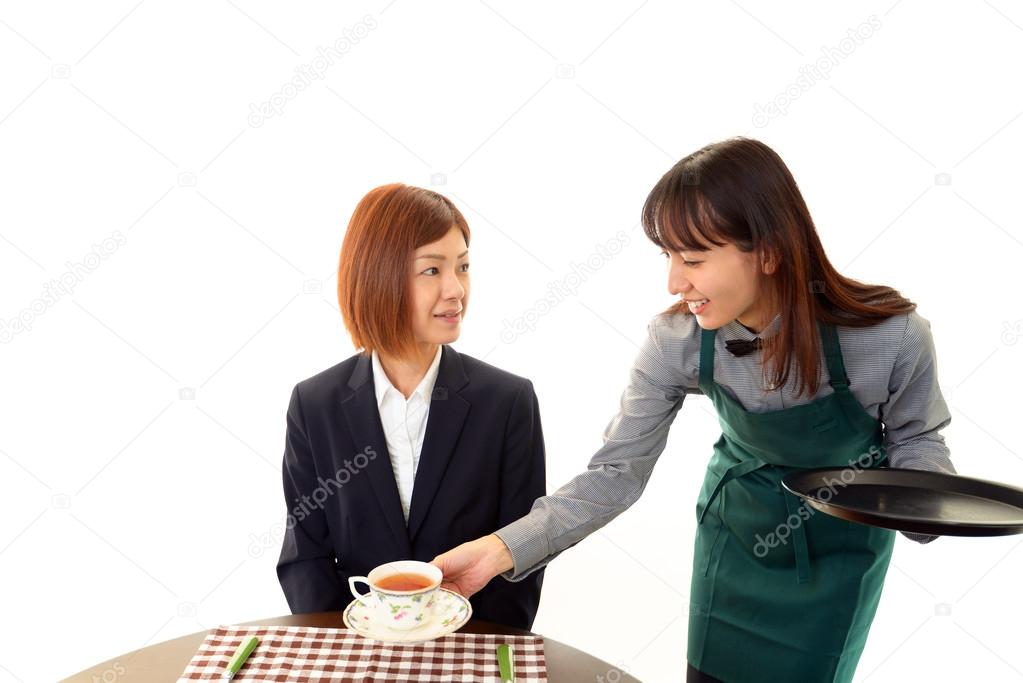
(833, 354)
(707, 360)
(739, 469)
(799, 545)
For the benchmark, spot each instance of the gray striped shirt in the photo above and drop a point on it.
(892, 372)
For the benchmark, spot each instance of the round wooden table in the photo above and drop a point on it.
(166, 661)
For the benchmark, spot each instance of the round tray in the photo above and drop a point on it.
(917, 501)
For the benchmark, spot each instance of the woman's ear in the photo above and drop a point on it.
(768, 261)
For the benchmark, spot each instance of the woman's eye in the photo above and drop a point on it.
(465, 267)
(431, 271)
(692, 263)
(664, 253)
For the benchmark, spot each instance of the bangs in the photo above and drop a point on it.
(678, 217)
(435, 215)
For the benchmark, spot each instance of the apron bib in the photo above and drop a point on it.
(781, 592)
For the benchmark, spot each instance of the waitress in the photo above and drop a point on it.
(806, 368)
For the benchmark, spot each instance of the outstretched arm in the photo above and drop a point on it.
(613, 481)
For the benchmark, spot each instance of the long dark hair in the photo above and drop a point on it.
(739, 191)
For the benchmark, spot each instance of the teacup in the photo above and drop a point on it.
(401, 594)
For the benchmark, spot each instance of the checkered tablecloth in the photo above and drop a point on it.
(299, 653)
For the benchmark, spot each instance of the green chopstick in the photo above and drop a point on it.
(505, 663)
(239, 658)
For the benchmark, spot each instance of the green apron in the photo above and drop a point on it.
(781, 592)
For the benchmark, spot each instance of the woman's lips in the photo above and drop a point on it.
(451, 319)
(698, 306)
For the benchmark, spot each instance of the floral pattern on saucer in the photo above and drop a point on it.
(451, 612)
(403, 611)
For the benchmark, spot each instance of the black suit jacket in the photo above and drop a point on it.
(482, 465)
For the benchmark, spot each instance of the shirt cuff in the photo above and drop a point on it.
(944, 465)
(528, 546)
(919, 538)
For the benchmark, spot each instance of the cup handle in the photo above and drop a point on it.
(361, 597)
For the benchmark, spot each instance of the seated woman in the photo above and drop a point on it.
(407, 448)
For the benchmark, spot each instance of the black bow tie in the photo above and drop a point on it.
(740, 347)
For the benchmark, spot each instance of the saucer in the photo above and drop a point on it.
(451, 612)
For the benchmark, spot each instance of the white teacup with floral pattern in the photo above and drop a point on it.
(399, 609)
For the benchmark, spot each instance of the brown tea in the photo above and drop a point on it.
(403, 582)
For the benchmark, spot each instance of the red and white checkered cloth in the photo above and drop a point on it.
(300, 653)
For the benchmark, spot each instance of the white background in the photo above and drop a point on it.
(134, 511)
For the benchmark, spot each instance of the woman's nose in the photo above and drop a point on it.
(453, 288)
(677, 283)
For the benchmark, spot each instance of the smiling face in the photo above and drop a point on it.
(439, 289)
(726, 278)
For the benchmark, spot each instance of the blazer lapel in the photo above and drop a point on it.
(363, 417)
(448, 411)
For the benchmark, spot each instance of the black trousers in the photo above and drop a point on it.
(694, 676)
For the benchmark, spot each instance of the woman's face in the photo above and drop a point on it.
(440, 289)
(726, 278)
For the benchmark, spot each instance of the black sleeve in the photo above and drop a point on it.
(523, 461)
(306, 568)
(523, 480)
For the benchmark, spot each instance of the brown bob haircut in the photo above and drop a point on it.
(739, 191)
(374, 272)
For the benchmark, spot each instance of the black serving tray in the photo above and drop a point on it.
(917, 501)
